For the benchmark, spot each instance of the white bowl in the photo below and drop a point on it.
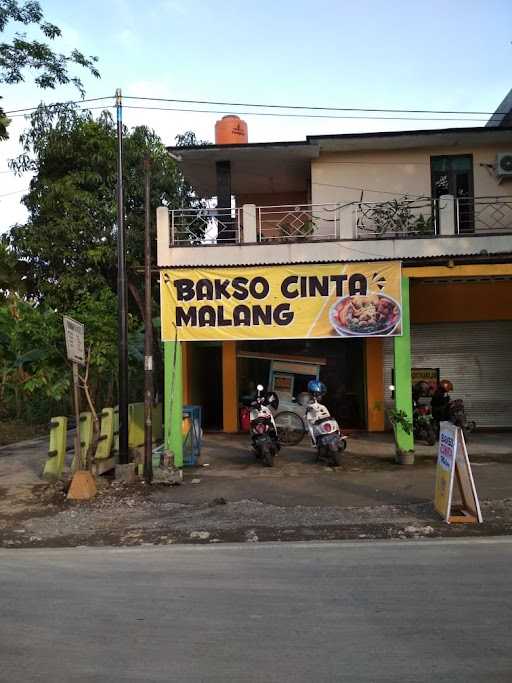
(346, 332)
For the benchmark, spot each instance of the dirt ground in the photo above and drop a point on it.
(230, 497)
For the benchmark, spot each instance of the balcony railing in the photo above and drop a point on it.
(483, 215)
(397, 218)
(401, 218)
(291, 223)
(204, 226)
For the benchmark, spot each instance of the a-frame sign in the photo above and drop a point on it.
(453, 464)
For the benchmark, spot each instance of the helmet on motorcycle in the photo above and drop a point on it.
(316, 387)
(446, 385)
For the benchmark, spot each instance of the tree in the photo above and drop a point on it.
(68, 245)
(35, 377)
(11, 272)
(21, 54)
(69, 240)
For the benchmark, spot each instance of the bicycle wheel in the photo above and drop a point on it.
(290, 428)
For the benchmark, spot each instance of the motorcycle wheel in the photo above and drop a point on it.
(470, 426)
(290, 428)
(335, 455)
(268, 457)
(430, 436)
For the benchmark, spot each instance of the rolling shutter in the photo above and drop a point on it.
(475, 356)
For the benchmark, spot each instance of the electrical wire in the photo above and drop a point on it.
(313, 108)
(301, 116)
(56, 104)
(8, 194)
(103, 107)
(359, 189)
(373, 110)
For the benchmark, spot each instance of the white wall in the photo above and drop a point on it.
(339, 177)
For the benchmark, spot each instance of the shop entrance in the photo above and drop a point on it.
(206, 381)
(286, 366)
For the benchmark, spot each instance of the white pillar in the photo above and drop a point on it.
(446, 215)
(249, 223)
(163, 236)
(346, 222)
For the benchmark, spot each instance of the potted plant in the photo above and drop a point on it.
(399, 420)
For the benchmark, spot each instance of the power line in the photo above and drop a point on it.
(359, 189)
(8, 194)
(103, 107)
(279, 106)
(313, 108)
(302, 116)
(57, 104)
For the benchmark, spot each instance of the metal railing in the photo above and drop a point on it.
(397, 218)
(205, 226)
(400, 218)
(483, 215)
(292, 223)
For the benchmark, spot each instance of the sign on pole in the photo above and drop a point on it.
(453, 464)
(75, 345)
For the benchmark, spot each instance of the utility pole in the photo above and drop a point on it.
(148, 329)
(122, 293)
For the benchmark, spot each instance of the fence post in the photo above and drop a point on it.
(446, 215)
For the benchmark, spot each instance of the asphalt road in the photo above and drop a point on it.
(381, 611)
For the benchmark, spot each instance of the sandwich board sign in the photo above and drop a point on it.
(453, 464)
(75, 345)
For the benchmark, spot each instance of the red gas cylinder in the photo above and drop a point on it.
(245, 419)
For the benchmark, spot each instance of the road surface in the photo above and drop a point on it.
(380, 611)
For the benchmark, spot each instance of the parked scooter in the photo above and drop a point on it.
(325, 432)
(263, 428)
(453, 410)
(424, 427)
(459, 417)
(423, 424)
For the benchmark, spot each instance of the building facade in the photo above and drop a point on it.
(437, 201)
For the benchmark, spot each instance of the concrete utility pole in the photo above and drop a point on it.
(148, 329)
(122, 293)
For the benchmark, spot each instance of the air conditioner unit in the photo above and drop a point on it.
(504, 165)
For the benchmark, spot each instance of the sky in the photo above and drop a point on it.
(405, 54)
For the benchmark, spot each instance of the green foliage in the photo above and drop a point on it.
(20, 54)
(398, 217)
(35, 377)
(31, 359)
(70, 237)
(11, 272)
(63, 260)
(398, 418)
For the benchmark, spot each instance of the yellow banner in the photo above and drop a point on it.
(281, 302)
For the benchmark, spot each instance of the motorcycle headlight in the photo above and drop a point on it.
(327, 427)
(260, 428)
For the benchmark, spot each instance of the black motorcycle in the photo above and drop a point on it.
(263, 428)
(424, 427)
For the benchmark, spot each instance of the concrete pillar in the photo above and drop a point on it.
(229, 387)
(374, 356)
(173, 401)
(346, 223)
(446, 215)
(403, 383)
(163, 236)
(249, 223)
